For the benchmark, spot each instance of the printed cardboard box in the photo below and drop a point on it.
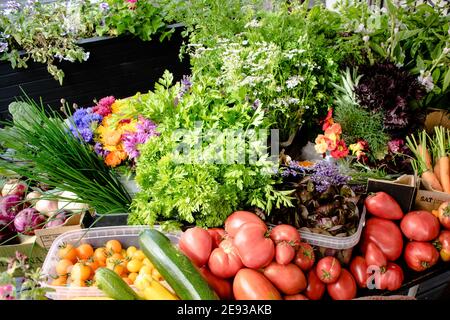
(403, 189)
(429, 200)
(45, 237)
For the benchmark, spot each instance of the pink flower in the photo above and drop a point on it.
(131, 1)
(321, 144)
(103, 107)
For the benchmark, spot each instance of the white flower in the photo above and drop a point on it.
(253, 24)
(86, 56)
(366, 38)
(426, 80)
(245, 42)
(383, 10)
(292, 82)
(446, 50)
(360, 28)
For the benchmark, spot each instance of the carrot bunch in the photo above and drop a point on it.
(432, 163)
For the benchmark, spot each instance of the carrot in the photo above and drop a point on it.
(442, 159)
(422, 164)
(423, 151)
(430, 180)
(437, 170)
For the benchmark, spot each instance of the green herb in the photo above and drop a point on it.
(356, 122)
(199, 189)
(44, 150)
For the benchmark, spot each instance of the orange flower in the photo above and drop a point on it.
(112, 138)
(321, 144)
(335, 128)
(328, 120)
(115, 158)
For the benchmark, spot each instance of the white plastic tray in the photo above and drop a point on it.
(97, 237)
(339, 243)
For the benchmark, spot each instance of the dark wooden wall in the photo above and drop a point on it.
(116, 66)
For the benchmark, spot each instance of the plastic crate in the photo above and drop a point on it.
(338, 243)
(97, 237)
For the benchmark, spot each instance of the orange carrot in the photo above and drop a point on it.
(442, 159)
(437, 170)
(430, 179)
(423, 151)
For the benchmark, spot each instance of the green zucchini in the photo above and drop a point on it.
(175, 267)
(113, 286)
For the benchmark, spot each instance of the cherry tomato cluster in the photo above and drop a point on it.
(247, 261)
(77, 265)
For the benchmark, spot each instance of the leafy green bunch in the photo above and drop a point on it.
(203, 185)
(284, 59)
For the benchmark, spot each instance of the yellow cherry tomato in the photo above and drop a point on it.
(146, 270)
(132, 276)
(138, 254)
(134, 265)
(130, 251)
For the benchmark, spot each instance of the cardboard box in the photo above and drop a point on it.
(403, 189)
(437, 117)
(45, 237)
(429, 200)
(28, 247)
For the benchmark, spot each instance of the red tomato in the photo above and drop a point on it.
(256, 251)
(444, 215)
(392, 279)
(443, 245)
(284, 253)
(344, 288)
(217, 235)
(359, 270)
(285, 232)
(386, 235)
(224, 261)
(420, 256)
(315, 288)
(328, 269)
(289, 279)
(383, 206)
(238, 218)
(250, 284)
(297, 296)
(420, 226)
(375, 257)
(305, 257)
(196, 244)
(222, 287)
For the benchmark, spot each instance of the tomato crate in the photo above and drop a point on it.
(96, 237)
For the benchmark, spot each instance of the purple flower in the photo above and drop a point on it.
(85, 123)
(294, 169)
(396, 146)
(326, 174)
(186, 84)
(145, 129)
(100, 151)
(3, 47)
(256, 104)
(13, 6)
(104, 6)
